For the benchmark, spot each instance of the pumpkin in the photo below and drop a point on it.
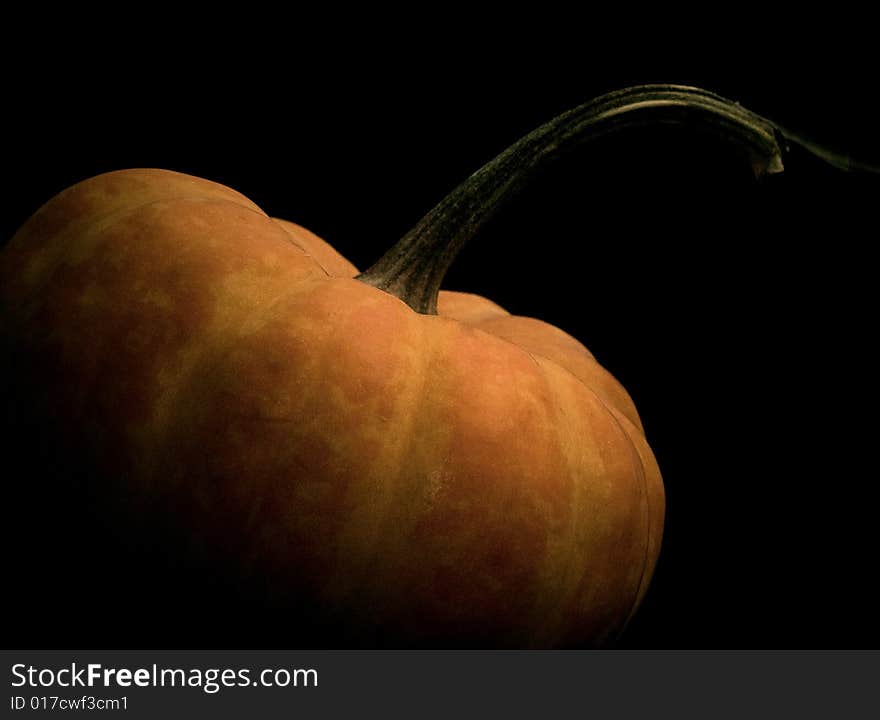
(417, 466)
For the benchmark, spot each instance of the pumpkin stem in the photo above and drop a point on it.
(413, 269)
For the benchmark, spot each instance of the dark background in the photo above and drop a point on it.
(739, 314)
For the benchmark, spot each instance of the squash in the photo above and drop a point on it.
(415, 466)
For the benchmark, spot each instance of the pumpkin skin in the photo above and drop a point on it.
(471, 477)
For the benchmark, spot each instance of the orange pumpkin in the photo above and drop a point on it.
(422, 475)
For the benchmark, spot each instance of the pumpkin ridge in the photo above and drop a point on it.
(323, 252)
(637, 476)
(293, 242)
(534, 355)
(564, 595)
(639, 466)
(97, 219)
(387, 529)
(606, 402)
(59, 252)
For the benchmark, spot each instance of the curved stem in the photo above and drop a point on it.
(413, 269)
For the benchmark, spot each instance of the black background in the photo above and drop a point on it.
(739, 314)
